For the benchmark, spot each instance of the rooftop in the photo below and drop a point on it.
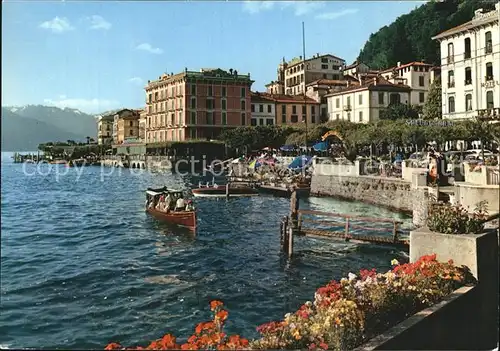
(328, 82)
(480, 18)
(208, 73)
(375, 83)
(297, 60)
(414, 63)
(284, 98)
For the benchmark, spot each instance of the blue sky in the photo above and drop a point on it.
(96, 56)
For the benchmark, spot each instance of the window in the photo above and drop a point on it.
(304, 110)
(360, 116)
(224, 118)
(131, 123)
(193, 102)
(243, 105)
(193, 117)
(489, 100)
(261, 121)
(337, 103)
(210, 118)
(150, 97)
(243, 92)
(394, 99)
(360, 99)
(421, 81)
(313, 110)
(261, 108)
(294, 119)
(489, 71)
(224, 104)
(324, 60)
(468, 75)
(253, 122)
(243, 118)
(269, 121)
(131, 132)
(269, 109)
(210, 90)
(283, 109)
(348, 116)
(489, 44)
(252, 108)
(451, 79)
(421, 97)
(348, 101)
(337, 117)
(224, 91)
(324, 66)
(467, 48)
(210, 104)
(450, 53)
(380, 98)
(451, 104)
(192, 133)
(294, 109)
(283, 118)
(468, 102)
(193, 89)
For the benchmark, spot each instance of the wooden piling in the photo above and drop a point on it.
(395, 232)
(346, 231)
(227, 190)
(294, 210)
(289, 251)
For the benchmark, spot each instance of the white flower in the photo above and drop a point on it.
(351, 276)
(308, 303)
(287, 316)
(394, 262)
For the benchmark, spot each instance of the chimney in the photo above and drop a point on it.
(374, 80)
(399, 63)
(348, 83)
(360, 80)
(478, 12)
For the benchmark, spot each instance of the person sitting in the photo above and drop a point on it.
(189, 206)
(180, 204)
(159, 205)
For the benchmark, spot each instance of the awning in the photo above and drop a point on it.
(287, 148)
(322, 146)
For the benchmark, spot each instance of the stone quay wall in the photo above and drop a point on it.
(392, 193)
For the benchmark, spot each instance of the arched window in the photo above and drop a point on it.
(451, 79)
(451, 104)
(468, 102)
(489, 43)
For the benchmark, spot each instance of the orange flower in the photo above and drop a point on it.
(113, 346)
(189, 347)
(221, 315)
(214, 304)
(204, 326)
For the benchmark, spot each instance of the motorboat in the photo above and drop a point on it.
(184, 218)
(227, 190)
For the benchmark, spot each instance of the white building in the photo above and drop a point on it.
(263, 110)
(298, 72)
(363, 103)
(470, 67)
(416, 75)
(356, 69)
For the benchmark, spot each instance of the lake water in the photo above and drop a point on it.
(83, 264)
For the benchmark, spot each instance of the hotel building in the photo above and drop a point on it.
(362, 103)
(196, 105)
(105, 129)
(126, 126)
(293, 76)
(263, 110)
(470, 67)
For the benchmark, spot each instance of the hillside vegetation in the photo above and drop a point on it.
(409, 37)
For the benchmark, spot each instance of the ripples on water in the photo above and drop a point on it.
(83, 265)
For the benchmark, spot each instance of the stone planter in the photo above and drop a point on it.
(479, 252)
(465, 320)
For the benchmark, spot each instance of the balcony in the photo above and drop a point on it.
(489, 114)
(347, 108)
(450, 60)
(451, 84)
(468, 82)
(488, 78)
(467, 55)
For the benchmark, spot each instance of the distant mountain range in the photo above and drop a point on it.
(25, 127)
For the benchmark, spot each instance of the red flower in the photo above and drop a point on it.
(113, 346)
(214, 304)
(221, 315)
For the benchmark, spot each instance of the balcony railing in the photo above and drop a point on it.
(467, 55)
(488, 78)
(492, 114)
(451, 84)
(468, 81)
(347, 108)
(450, 59)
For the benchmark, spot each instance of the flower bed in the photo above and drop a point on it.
(343, 315)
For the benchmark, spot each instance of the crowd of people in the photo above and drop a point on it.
(170, 202)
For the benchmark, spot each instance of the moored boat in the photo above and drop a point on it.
(284, 190)
(228, 190)
(184, 218)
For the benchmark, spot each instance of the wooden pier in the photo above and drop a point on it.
(340, 227)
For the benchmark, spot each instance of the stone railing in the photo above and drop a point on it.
(408, 169)
(481, 175)
(338, 169)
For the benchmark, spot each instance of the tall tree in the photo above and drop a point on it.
(432, 107)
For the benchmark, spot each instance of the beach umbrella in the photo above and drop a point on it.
(287, 148)
(300, 162)
(321, 146)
